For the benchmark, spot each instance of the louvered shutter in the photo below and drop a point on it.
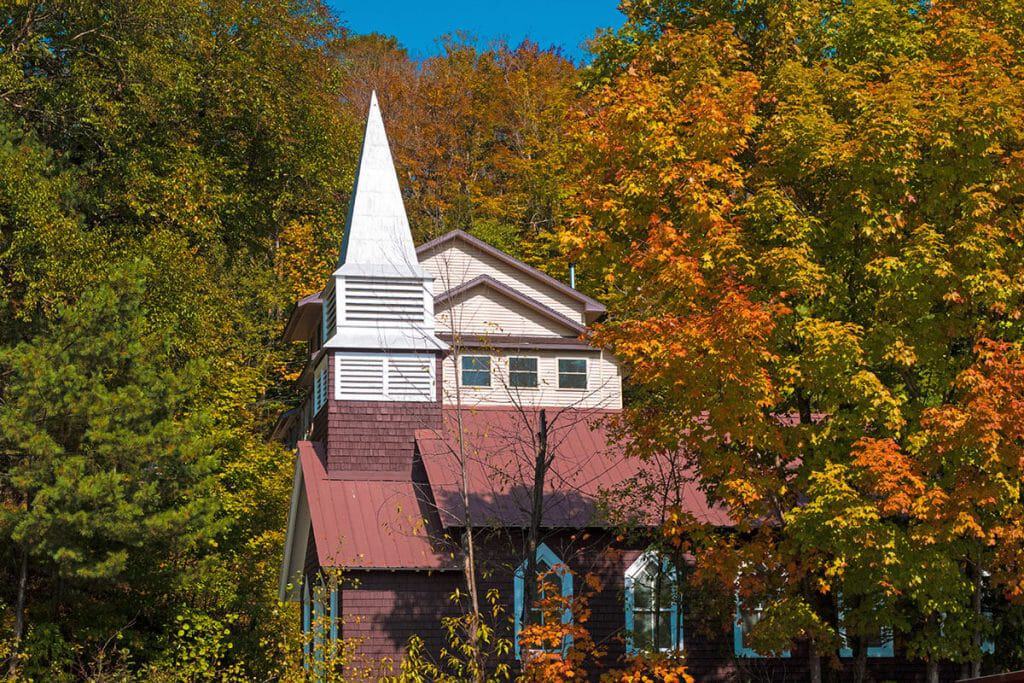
(375, 300)
(384, 377)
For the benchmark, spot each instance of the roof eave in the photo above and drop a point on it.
(591, 306)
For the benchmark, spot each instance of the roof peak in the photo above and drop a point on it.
(377, 240)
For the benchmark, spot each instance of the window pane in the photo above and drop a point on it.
(522, 372)
(645, 587)
(749, 619)
(572, 373)
(476, 371)
(643, 630)
(665, 632)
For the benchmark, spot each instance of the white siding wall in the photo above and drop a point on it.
(457, 263)
(604, 388)
(485, 311)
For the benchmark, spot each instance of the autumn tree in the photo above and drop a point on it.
(206, 141)
(807, 219)
(477, 133)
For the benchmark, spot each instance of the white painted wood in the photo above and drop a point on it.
(604, 383)
(384, 376)
(384, 296)
(456, 263)
(486, 311)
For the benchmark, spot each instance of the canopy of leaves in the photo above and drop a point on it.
(807, 216)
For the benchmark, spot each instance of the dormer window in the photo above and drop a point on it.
(572, 373)
(522, 372)
(476, 371)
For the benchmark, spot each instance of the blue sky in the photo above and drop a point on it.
(418, 24)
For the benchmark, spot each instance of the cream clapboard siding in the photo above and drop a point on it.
(484, 311)
(458, 263)
(604, 388)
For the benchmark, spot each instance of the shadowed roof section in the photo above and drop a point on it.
(500, 446)
(371, 524)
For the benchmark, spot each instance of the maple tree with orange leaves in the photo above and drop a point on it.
(807, 219)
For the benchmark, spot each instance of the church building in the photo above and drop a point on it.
(435, 374)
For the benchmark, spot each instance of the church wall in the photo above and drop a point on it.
(483, 311)
(383, 609)
(457, 263)
(604, 386)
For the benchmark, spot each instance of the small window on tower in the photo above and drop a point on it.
(522, 372)
(476, 371)
(572, 373)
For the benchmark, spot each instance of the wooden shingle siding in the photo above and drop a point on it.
(383, 609)
(376, 436)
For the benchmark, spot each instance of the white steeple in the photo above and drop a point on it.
(380, 298)
(377, 238)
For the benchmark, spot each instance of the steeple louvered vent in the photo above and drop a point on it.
(385, 377)
(410, 377)
(382, 300)
(330, 321)
(360, 375)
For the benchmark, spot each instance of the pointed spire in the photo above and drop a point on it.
(377, 238)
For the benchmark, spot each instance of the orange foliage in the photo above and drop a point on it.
(651, 668)
(560, 649)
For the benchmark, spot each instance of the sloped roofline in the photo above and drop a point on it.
(301, 311)
(503, 289)
(590, 305)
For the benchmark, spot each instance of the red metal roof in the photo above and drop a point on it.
(499, 445)
(371, 524)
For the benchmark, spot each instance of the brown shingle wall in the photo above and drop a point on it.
(376, 436)
(383, 609)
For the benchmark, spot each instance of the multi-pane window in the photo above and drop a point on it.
(522, 372)
(572, 373)
(653, 617)
(476, 371)
(552, 575)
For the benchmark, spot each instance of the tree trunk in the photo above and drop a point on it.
(540, 465)
(814, 663)
(469, 550)
(19, 612)
(860, 663)
(976, 605)
(932, 675)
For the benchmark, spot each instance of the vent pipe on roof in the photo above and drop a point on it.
(572, 275)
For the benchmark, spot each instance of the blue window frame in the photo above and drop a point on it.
(305, 622)
(318, 625)
(882, 646)
(652, 614)
(547, 562)
(744, 621)
(334, 614)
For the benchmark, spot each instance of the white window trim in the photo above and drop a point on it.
(508, 366)
(674, 610)
(490, 371)
(558, 373)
